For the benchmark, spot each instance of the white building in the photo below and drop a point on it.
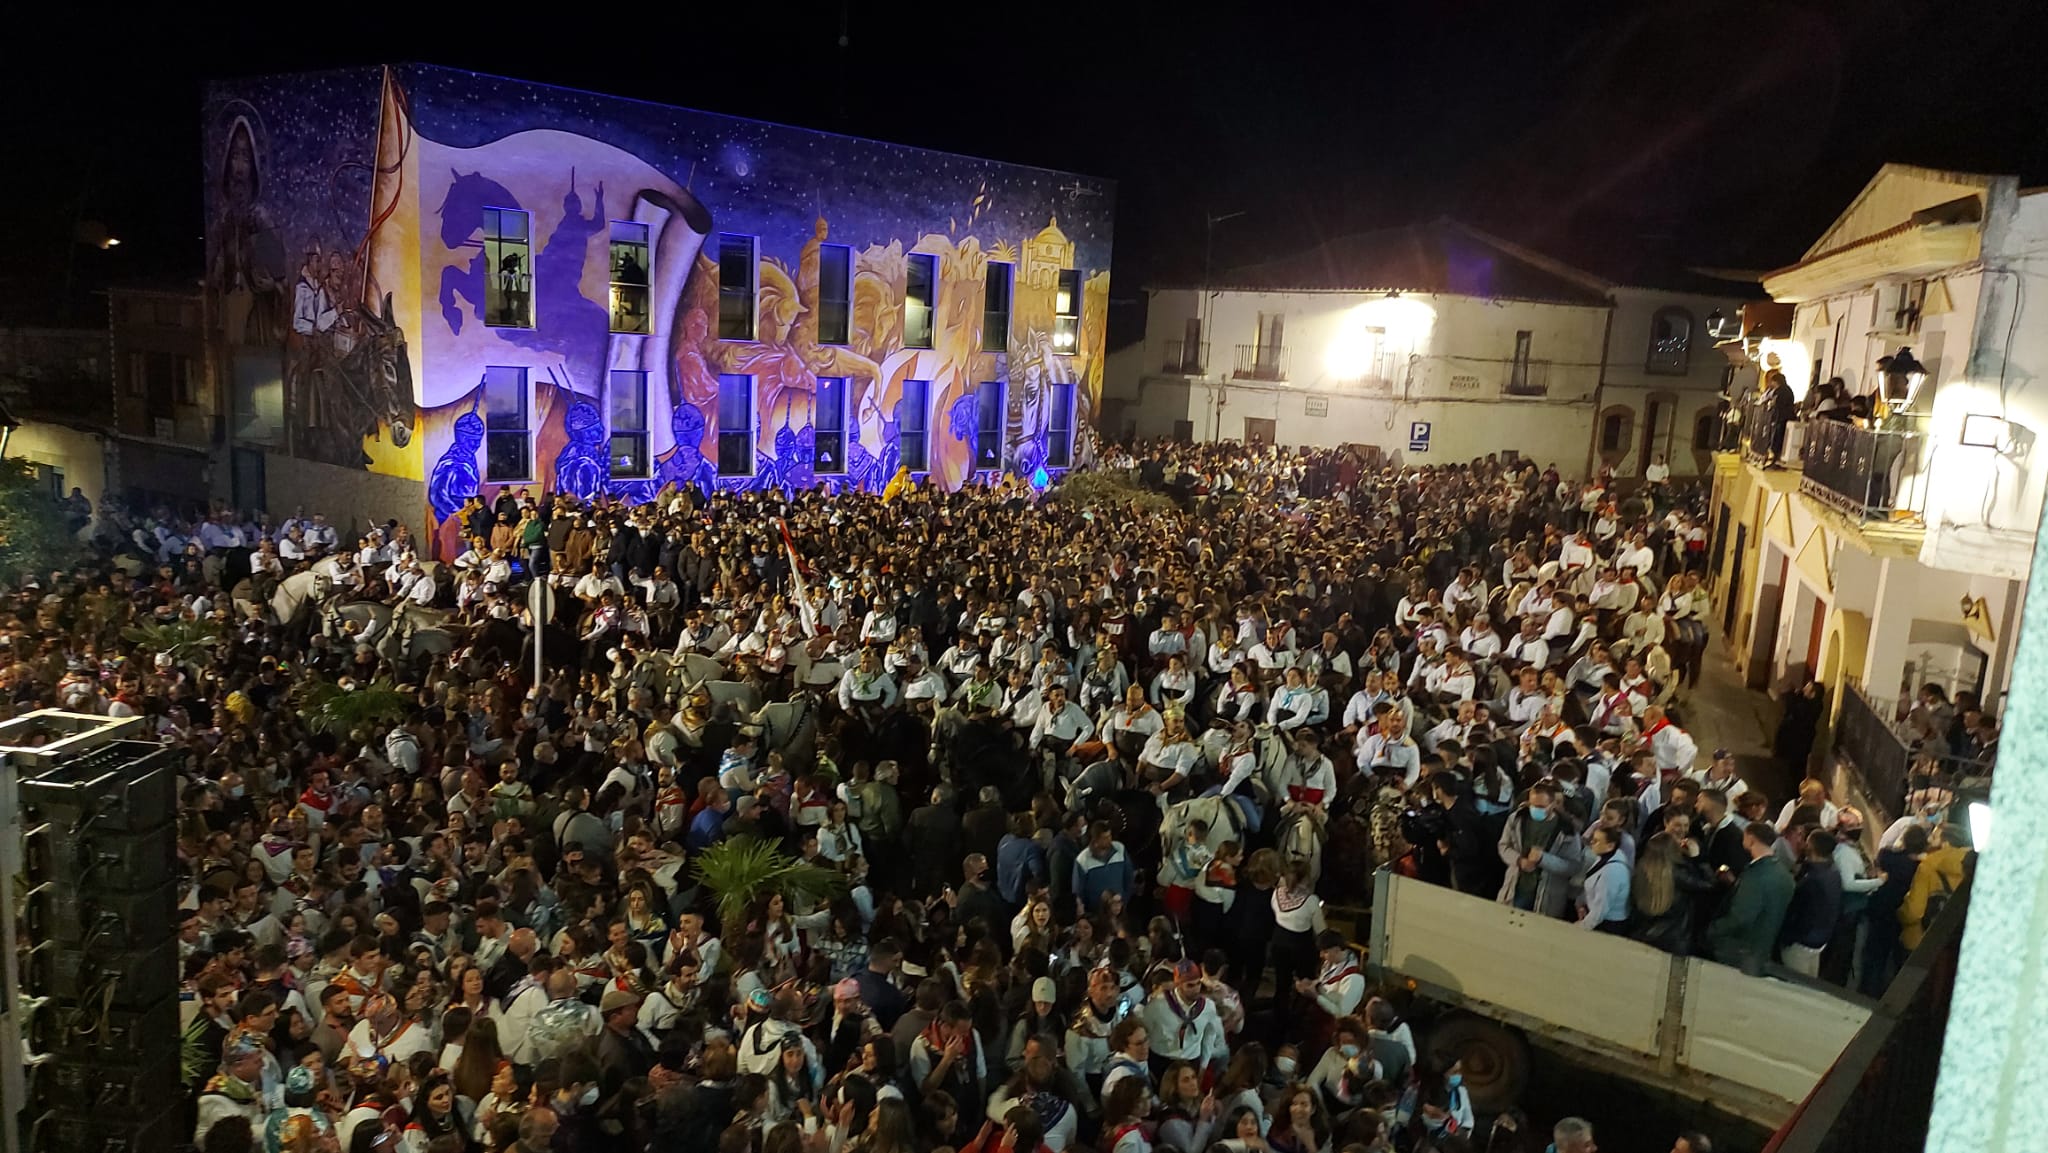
(1885, 558)
(1435, 342)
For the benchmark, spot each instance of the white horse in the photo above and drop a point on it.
(1224, 816)
(298, 595)
(791, 728)
(1301, 838)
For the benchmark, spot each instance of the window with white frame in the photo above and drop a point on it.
(508, 434)
(920, 298)
(508, 268)
(828, 427)
(1059, 427)
(1066, 312)
(995, 306)
(735, 425)
(737, 270)
(835, 294)
(630, 271)
(626, 400)
(913, 425)
(989, 425)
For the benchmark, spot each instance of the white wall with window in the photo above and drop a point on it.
(508, 425)
(1663, 382)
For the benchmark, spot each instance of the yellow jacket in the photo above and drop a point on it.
(1940, 869)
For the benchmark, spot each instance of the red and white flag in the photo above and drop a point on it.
(806, 614)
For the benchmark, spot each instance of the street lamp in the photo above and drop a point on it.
(1903, 376)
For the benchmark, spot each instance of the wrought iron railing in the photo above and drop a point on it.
(1186, 357)
(1526, 378)
(1261, 362)
(1877, 1097)
(1864, 736)
(1870, 474)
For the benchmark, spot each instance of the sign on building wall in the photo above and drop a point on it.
(1464, 383)
(1418, 436)
(1316, 406)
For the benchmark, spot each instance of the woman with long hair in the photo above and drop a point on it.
(437, 1111)
(482, 1054)
(1186, 1115)
(1666, 888)
(891, 1129)
(1242, 1082)
(1300, 1125)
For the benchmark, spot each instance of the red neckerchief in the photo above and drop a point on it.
(1662, 724)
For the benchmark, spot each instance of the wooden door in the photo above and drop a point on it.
(1258, 430)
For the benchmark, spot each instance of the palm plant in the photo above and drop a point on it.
(187, 642)
(742, 870)
(330, 707)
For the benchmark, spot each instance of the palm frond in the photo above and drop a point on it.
(185, 641)
(330, 707)
(742, 870)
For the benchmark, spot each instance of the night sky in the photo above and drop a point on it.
(1656, 136)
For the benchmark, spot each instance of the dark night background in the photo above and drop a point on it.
(1628, 139)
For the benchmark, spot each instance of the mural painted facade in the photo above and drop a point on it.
(470, 281)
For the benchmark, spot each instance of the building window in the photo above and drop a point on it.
(736, 271)
(828, 427)
(138, 374)
(913, 425)
(988, 425)
(920, 296)
(1066, 313)
(1614, 431)
(995, 307)
(629, 277)
(735, 426)
(835, 294)
(508, 440)
(1059, 428)
(508, 264)
(1521, 380)
(627, 400)
(1906, 302)
(187, 381)
(1706, 430)
(1670, 342)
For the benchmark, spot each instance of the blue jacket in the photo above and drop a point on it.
(1018, 860)
(706, 829)
(1093, 877)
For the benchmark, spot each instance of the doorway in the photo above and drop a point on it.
(1258, 430)
(1655, 413)
(1732, 595)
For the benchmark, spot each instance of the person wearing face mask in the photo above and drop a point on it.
(1435, 1105)
(1540, 847)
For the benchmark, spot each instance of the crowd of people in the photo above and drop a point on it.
(485, 920)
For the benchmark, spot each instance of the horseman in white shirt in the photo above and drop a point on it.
(1060, 725)
(1673, 747)
(1479, 640)
(1169, 759)
(1292, 704)
(1132, 722)
(1224, 653)
(865, 690)
(1391, 747)
(1528, 646)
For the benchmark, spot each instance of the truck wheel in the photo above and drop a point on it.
(1496, 1058)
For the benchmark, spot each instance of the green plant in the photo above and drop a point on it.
(188, 642)
(331, 708)
(35, 537)
(742, 870)
(1110, 490)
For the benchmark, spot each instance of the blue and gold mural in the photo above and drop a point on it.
(467, 281)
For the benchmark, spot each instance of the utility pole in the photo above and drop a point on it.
(1202, 311)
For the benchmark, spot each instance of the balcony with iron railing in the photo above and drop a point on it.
(1261, 362)
(1526, 378)
(1185, 358)
(1884, 750)
(1871, 474)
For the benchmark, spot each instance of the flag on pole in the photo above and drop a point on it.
(807, 614)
